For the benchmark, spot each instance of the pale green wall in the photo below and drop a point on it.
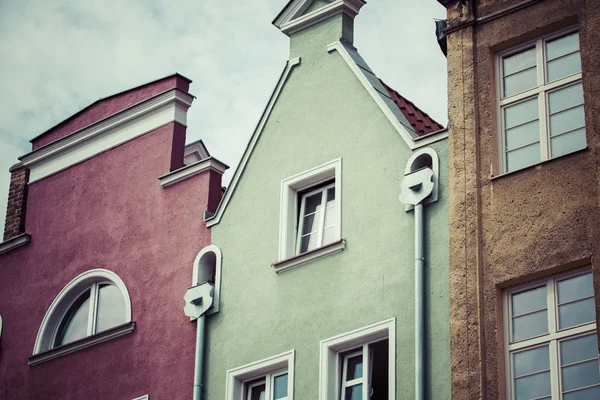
(324, 113)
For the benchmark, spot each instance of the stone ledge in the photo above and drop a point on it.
(300, 259)
(14, 243)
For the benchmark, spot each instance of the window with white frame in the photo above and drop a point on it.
(359, 364)
(310, 214)
(552, 347)
(269, 379)
(541, 101)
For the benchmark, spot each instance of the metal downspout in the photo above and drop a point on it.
(419, 305)
(199, 362)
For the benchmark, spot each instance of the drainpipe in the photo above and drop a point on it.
(198, 300)
(415, 188)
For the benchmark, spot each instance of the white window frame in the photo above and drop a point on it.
(541, 91)
(552, 338)
(289, 203)
(199, 273)
(70, 293)
(269, 381)
(332, 350)
(238, 379)
(321, 222)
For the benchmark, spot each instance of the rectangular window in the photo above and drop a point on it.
(317, 220)
(365, 372)
(552, 348)
(541, 101)
(270, 387)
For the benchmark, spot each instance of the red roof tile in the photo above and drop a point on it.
(420, 121)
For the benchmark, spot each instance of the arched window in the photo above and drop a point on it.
(93, 302)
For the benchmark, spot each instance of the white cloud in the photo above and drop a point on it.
(59, 56)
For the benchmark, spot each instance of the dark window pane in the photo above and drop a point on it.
(355, 369)
(580, 375)
(530, 325)
(74, 324)
(354, 392)
(533, 386)
(586, 394)
(257, 392)
(530, 361)
(312, 203)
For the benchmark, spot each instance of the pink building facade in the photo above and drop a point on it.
(104, 222)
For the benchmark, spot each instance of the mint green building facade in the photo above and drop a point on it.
(329, 110)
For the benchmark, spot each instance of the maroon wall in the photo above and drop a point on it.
(108, 212)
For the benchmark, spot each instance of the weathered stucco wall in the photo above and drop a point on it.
(527, 224)
(324, 113)
(108, 212)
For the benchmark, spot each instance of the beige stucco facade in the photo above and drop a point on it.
(512, 228)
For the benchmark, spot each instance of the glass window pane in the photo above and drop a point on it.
(354, 392)
(568, 143)
(564, 45)
(533, 386)
(308, 224)
(520, 82)
(530, 325)
(565, 98)
(575, 288)
(257, 392)
(528, 301)
(586, 394)
(580, 375)
(281, 387)
(520, 113)
(312, 203)
(330, 196)
(564, 66)
(567, 120)
(354, 369)
(578, 349)
(111, 308)
(530, 361)
(75, 323)
(309, 242)
(518, 62)
(523, 135)
(523, 157)
(576, 313)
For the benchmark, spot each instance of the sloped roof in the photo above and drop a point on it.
(420, 121)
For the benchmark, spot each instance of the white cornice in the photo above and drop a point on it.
(14, 243)
(135, 121)
(290, 21)
(216, 218)
(191, 170)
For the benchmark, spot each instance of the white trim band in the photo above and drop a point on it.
(193, 169)
(309, 256)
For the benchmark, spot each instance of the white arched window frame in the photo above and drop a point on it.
(418, 160)
(207, 265)
(65, 299)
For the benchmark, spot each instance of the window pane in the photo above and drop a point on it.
(564, 45)
(523, 135)
(576, 313)
(523, 157)
(530, 325)
(578, 349)
(354, 370)
(580, 375)
(520, 113)
(533, 386)
(111, 308)
(308, 242)
(354, 392)
(530, 361)
(586, 394)
(312, 203)
(520, 82)
(565, 98)
(528, 301)
(75, 323)
(564, 66)
(568, 143)
(566, 120)
(257, 392)
(518, 62)
(281, 387)
(330, 195)
(308, 224)
(575, 288)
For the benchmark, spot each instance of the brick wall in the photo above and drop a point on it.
(17, 203)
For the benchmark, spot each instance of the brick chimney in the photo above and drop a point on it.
(17, 202)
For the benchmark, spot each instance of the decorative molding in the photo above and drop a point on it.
(329, 368)
(193, 169)
(236, 377)
(216, 218)
(83, 343)
(435, 167)
(14, 243)
(304, 258)
(291, 20)
(378, 93)
(217, 285)
(169, 106)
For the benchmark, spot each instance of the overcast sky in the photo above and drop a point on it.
(59, 56)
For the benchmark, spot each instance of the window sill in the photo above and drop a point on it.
(14, 243)
(538, 165)
(80, 344)
(300, 259)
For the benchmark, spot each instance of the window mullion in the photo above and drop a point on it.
(366, 371)
(554, 370)
(544, 126)
(269, 387)
(322, 218)
(300, 225)
(91, 328)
